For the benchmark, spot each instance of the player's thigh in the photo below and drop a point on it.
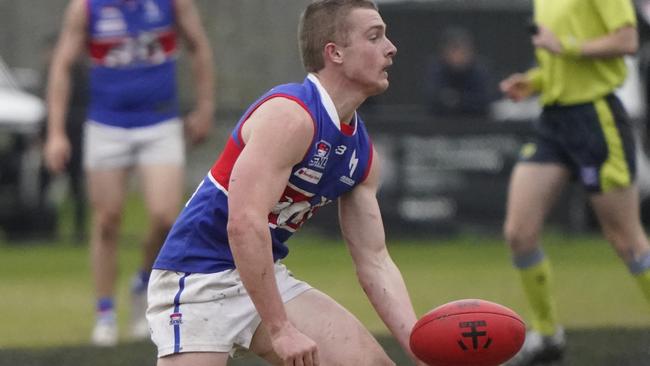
(534, 188)
(194, 359)
(107, 190)
(618, 214)
(161, 158)
(162, 188)
(341, 338)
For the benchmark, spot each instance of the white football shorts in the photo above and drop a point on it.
(207, 312)
(107, 147)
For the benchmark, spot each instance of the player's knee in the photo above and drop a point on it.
(520, 239)
(108, 224)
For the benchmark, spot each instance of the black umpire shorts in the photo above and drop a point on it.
(594, 140)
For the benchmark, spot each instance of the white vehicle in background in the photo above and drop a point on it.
(24, 211)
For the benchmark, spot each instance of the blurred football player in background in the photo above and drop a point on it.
(583, 132)
(132, 121)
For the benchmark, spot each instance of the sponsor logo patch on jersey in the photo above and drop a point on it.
(319, 160)
(308, 175)
(347, 180)
(175, 318)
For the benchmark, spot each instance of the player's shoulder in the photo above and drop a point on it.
(293, 101)
(301, 91)
(279, 113)
(284, 110)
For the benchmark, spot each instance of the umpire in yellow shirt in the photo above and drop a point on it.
(583, 133)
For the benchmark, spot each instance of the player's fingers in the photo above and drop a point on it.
(308, 359)
(315, 360)
(299, 361)
(504, 86)
(538, 41)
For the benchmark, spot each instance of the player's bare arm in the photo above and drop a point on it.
(624, 41)
(517, 87)
(68, 48)
(276, 137)
(363, 231)
(199, 121)
(621, 42)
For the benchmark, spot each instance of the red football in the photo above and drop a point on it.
(469, 332)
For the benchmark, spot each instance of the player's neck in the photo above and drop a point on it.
(345, 97)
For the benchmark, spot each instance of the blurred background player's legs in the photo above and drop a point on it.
(161, 160)
(159, 153)
(76, 176)
(534, 188)
(107, 189)
(618, 214)
(162, 202)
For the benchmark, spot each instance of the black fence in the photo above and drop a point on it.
(447, 175)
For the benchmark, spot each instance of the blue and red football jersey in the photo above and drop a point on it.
(338, 159)
(132, 46)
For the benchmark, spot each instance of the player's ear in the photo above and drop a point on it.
(333, 53)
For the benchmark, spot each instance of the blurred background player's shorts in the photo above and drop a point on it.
(114, 147)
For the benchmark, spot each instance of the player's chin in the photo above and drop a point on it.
(380, 86)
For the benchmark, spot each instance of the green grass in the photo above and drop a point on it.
(47, 295)
(590, 281)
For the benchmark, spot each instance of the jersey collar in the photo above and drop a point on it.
(327, 102)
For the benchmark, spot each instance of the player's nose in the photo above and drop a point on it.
(391, 50)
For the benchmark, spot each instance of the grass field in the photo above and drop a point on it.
(46, 294)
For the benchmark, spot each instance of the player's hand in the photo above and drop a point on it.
(198, 124)
(56, 152)
(295, 348)
(547, 40)
(516, 87)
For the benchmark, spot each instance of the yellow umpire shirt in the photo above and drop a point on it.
(568, 78)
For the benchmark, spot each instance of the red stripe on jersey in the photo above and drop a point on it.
(168, 42)
(294, 195)
(99, 50)
(100, 47)
(347, 129)
(290, 197)
(222, 168)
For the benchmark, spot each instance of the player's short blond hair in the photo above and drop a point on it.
(322, 22)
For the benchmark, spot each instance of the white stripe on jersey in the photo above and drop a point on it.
(327, 102)
(283, 227)
(216, 184)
